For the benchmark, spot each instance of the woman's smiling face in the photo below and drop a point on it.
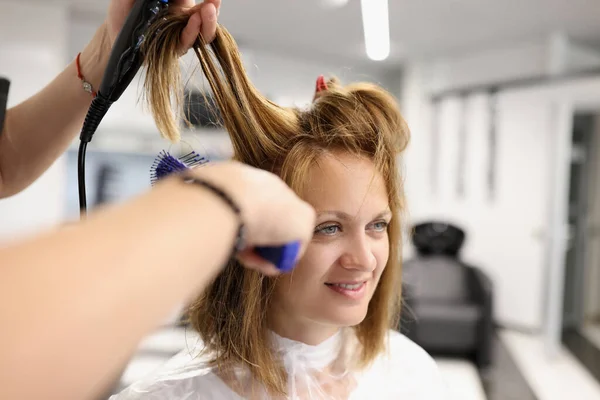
(334, 282)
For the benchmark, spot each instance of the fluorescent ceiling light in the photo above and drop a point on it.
(376, 24)
(335, 3)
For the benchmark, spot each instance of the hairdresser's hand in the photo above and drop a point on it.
(273, 213)
(203, 19)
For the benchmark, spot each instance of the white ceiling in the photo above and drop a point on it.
(418, 27)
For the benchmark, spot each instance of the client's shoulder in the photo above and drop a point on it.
(407, 355)
(405, 370)
(399, 342)
(188, 375)
(201, 387)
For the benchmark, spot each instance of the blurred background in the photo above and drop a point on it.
(502, 274)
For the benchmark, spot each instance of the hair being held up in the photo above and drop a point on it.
(242, 107)
(362, 119)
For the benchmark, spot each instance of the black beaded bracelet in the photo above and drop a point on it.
(240, 241)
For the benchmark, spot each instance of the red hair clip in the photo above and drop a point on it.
(321, 84)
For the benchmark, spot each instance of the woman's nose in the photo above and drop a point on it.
(358, 254)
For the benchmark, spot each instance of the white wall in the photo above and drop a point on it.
(292, 81)
(507, 236)
(491, 65)
(32, 52)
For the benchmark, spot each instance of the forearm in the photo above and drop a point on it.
(103, 285)
(37, 131)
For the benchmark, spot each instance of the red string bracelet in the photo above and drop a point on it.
(86, 85)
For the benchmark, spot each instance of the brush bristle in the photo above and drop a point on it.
(165, 164)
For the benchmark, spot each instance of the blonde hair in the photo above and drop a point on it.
(362, 119)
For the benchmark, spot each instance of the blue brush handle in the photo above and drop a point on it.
(283, 257)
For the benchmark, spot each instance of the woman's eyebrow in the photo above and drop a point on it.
(384, 214)
(338, 214)
(347, 217)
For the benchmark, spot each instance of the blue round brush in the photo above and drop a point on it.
(165, 164)
(283, 257)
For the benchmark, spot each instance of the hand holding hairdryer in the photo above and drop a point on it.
(202, 21)
(126, 58)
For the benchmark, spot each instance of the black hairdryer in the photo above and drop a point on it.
(4, 86)
(124, 63)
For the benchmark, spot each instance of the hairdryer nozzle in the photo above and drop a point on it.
(126, 58)
(125, 61)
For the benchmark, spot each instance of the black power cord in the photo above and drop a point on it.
(98, 109)
(81, 177)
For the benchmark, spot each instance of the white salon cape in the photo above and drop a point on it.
(405, 371)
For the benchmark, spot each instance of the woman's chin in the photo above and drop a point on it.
(346, 318)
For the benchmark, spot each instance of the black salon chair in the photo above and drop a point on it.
(448, 304)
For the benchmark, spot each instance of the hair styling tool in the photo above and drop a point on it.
(4, 86)
(125, 60)
(283, 257)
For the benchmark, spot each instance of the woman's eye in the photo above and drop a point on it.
(380, 226)
(328, 230)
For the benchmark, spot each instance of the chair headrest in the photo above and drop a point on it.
(438, 238)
